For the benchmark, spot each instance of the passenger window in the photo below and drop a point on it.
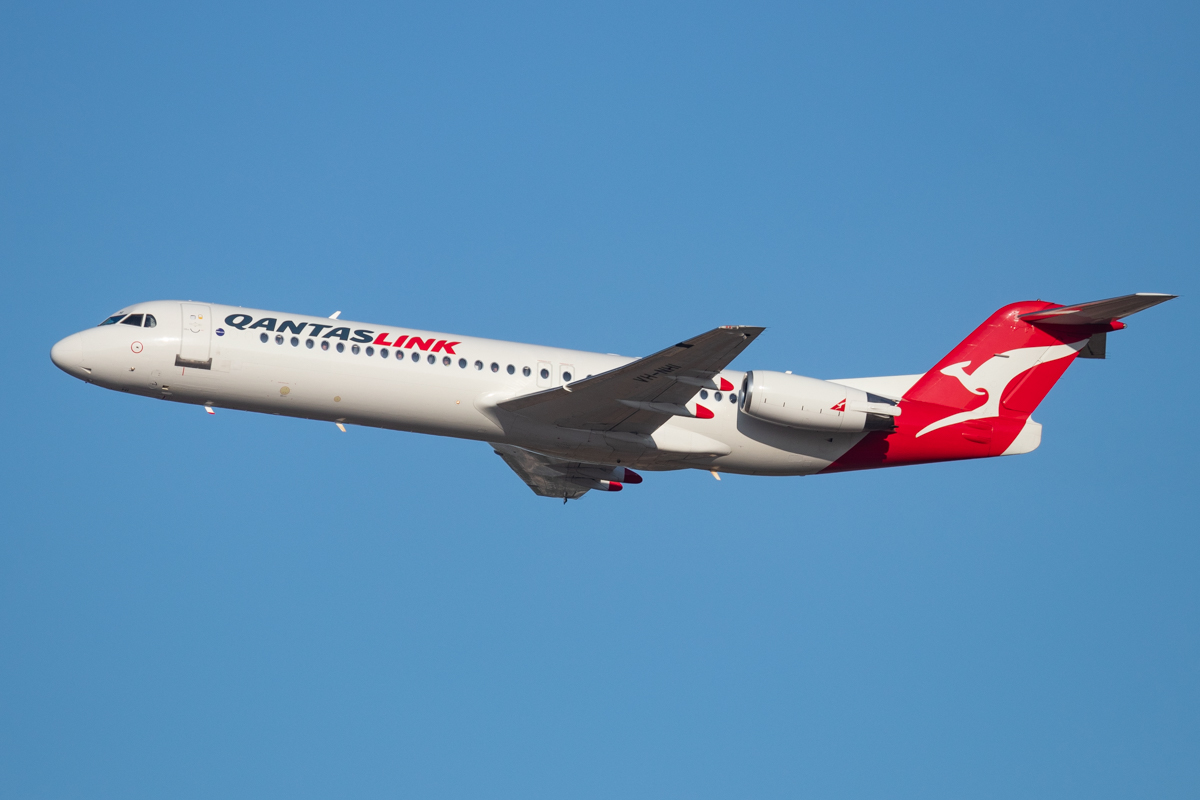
(462, 363)
(511, 369)
(545, 373)
(703, 394)
(733, 397)
(525, 371)
(308, 343)
(495, 367)
(416, 356)
(262, 337)
(355, 349)
(133, 319)
(150, 321)
(566, 377)
(446, 361)
(383, 352)
(717, 396)
(370, 351)
(295, 342)
(325, 345)
(278, 338)
(431, 358)
(113, 320)
(478, 365)
(341, 348)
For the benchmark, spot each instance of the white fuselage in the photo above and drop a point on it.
(438, 384)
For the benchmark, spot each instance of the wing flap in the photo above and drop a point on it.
(539, 472)
(555, 477)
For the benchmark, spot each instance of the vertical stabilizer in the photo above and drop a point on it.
(976, 401)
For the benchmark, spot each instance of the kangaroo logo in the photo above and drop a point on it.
(990, 378)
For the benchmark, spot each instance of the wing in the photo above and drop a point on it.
(639, 397)
(556, 477)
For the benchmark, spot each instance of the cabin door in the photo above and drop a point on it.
(194, 339)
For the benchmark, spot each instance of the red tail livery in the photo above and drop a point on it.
(976, 401)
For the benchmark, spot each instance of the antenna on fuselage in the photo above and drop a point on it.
(334, 315)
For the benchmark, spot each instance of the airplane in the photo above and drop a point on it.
(569, 421)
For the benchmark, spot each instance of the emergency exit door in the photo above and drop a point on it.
(194, 339)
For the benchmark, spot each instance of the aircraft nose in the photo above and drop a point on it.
(67, 354)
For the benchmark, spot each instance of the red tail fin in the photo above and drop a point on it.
(1003, 369)
(976, 401)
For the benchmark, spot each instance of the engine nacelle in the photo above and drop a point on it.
(811, 404)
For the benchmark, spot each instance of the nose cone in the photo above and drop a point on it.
(67, 354)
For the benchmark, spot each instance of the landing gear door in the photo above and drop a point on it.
(195, 336)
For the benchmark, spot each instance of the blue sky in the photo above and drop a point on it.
(248, 606)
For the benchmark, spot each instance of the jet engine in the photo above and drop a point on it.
(815, 405)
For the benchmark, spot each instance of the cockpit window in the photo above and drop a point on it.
(133, 319)
(113, 320)
(150, 321)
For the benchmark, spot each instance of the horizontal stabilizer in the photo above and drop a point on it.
(1097, 312)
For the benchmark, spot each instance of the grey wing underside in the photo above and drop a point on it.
(548, 477)
(642, 395)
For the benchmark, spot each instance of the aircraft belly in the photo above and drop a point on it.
(762, 448)
(726, 444)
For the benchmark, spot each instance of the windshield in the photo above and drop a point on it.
(113, 320)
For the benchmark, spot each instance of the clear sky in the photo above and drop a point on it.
(236, 605)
